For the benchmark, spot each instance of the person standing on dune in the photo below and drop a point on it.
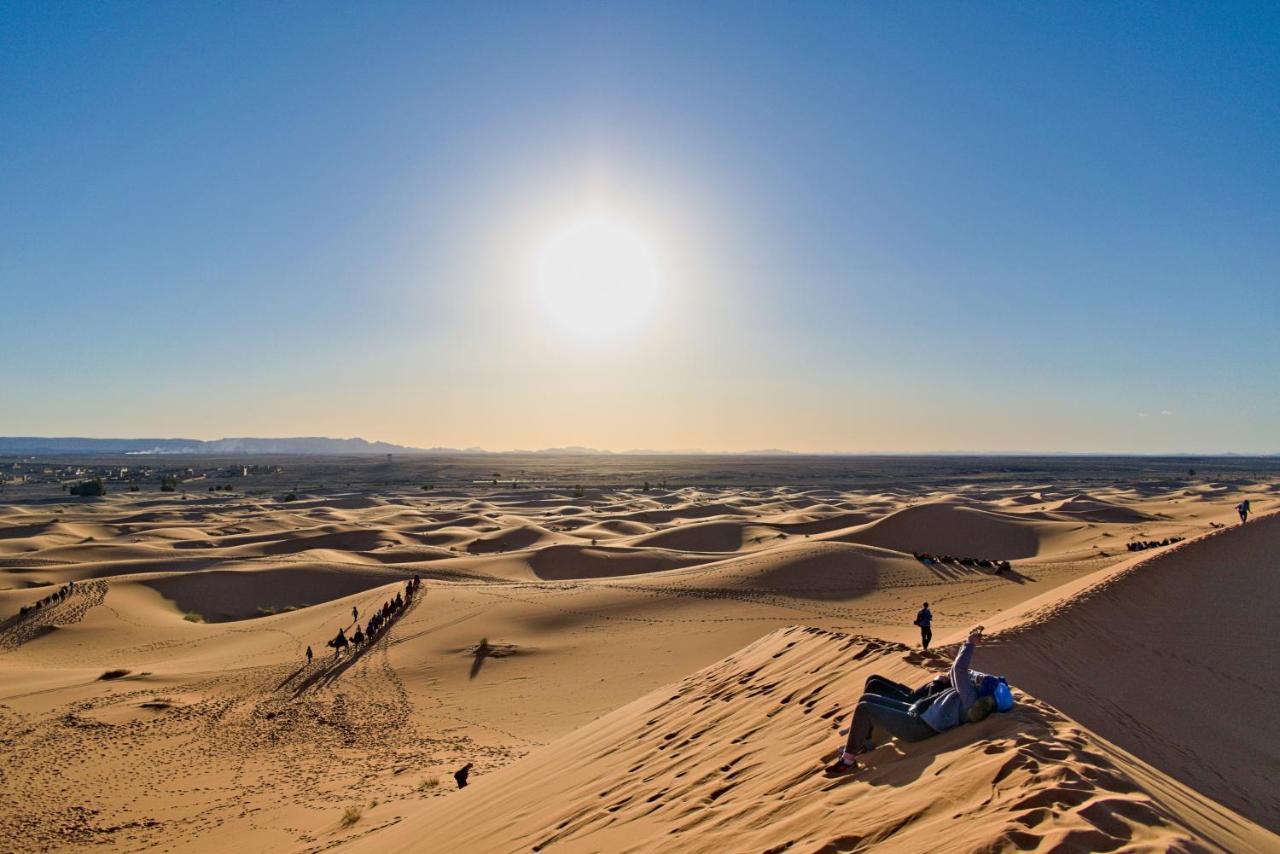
(924, 620)
(310, 655)
(1243, 509)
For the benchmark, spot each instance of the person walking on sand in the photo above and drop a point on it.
(355, 614)
(1243, 509)
(924, 620)
(310, 655)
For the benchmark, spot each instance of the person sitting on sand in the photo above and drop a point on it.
(460, 776)
(1243, 509)
(925, 718)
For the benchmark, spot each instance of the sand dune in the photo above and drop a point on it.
(954, 528)
(222, 595)
(728, 759)
(1097, 510)
(530, 646)
(562, 562)
(718, 536)
(1161, 657)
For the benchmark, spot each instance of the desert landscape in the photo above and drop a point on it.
(639, 428)
(640, 669)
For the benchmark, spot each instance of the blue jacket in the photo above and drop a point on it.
(948, 709)
(924, 618)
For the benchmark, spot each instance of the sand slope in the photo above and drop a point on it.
(1174, 658)
(954, 528)
(219, 737)
(728, 759)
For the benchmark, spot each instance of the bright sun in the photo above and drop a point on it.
(597, 278)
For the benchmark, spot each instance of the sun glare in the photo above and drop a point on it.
(597, 278)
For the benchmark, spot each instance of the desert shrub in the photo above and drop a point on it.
(292, 496)
(193, 617)
(113, 674)
(90, 488)
(427, 487)
(428, 784)
(133, 487)
(168, 483)
(577, 492)
(350, 816)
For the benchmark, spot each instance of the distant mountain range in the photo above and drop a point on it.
(14, 445)
(299, 445)
(321, 445)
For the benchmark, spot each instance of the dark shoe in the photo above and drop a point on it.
(840, 767)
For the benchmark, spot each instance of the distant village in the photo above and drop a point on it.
(126, 478)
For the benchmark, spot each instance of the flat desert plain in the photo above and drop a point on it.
(638, 670)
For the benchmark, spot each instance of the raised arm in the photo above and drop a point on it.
(960, 679)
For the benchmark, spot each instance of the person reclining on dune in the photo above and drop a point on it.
(884, 687)
(961, 702)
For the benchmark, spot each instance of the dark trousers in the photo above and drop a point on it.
(926, 635)
(897, 691)
(883, 687)
(893, 716)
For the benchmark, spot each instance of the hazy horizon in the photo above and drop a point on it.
(571, 450)
(878, 229)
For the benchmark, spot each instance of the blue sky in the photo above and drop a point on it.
(880, 227)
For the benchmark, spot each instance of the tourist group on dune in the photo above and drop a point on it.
(377, 624)
(59, 595)
(996, 566)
